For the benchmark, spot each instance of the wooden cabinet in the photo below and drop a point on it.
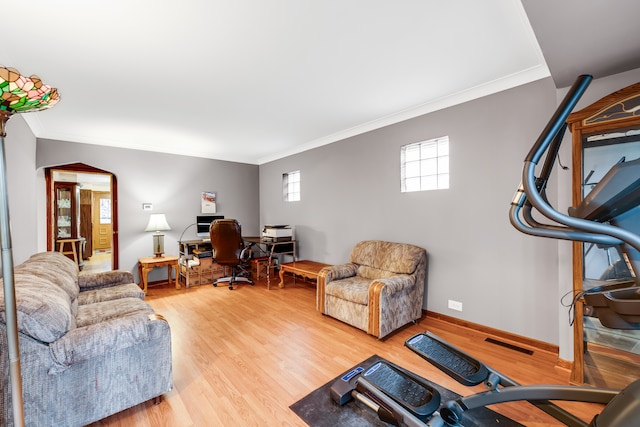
(65, 210)
(66, 221)
(603, 134)
(86, 224)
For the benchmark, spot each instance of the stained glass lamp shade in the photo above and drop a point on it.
(18, 94)
(22, 94)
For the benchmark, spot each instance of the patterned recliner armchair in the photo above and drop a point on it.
(379, 290)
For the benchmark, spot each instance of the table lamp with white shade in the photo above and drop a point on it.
(158, 223)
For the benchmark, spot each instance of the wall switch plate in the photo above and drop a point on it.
(455, 305)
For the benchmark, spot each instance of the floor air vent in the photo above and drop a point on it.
(509, 346)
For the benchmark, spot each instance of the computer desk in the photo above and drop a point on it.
(271, 248)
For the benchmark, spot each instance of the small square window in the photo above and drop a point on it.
(425, 165)
(291, 186)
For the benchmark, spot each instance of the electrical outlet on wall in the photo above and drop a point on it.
(455, 305)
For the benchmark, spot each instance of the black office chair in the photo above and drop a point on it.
(229, 250)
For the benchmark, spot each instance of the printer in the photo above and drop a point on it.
(277, 233)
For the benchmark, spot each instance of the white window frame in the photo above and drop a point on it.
(425, 165)
(291, 186)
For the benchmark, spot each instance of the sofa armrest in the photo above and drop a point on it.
(378, 291)
(340, 271)
(95, 340)
(394, 284)
(329, 274)
(105, 279)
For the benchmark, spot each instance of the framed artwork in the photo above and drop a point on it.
(208, 202)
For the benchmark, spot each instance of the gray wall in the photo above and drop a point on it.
(505, 280)
(20, 155)
(173, 184)
(351, 192)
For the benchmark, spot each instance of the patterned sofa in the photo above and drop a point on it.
(379, 290)
(89, 345)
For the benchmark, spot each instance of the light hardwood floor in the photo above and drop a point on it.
(99, 261)
(241, 357)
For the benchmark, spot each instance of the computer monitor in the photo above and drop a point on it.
(203, 222)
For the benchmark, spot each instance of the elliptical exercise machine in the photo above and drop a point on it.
(609, 216)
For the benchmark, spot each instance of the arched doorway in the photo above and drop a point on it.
(82, 212)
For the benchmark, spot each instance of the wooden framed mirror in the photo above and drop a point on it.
(603, 134)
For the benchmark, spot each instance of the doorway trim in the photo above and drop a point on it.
(82, 168)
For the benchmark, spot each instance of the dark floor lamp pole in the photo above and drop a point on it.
(17, 94)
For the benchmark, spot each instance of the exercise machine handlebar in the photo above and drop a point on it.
(531, 192)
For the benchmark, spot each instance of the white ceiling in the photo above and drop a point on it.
(596, 37)
(255, 80)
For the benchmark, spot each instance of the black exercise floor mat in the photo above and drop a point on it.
(318, 410)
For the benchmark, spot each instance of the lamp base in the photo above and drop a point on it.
(158, 245)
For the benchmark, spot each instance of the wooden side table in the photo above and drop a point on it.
(145, 265)
(307, 269)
